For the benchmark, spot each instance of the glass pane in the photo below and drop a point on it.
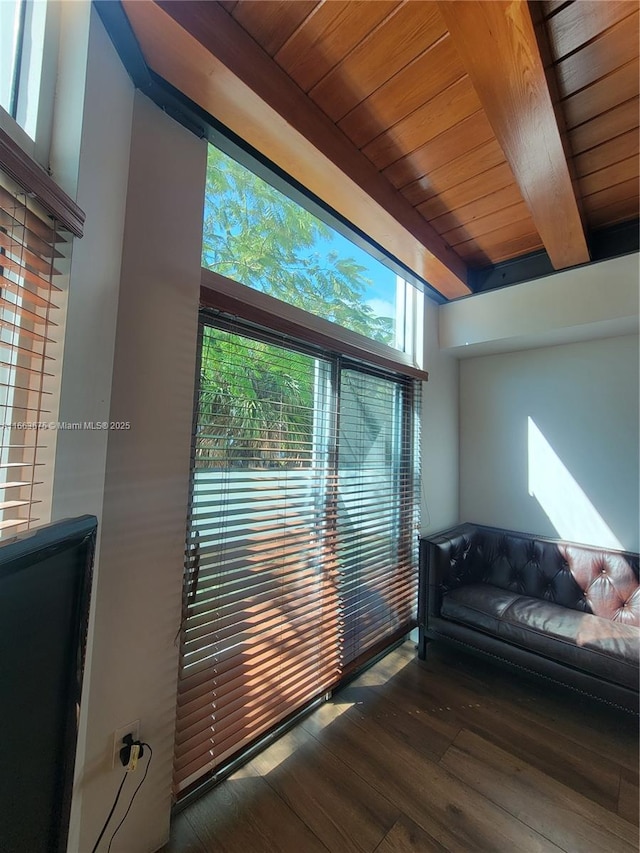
(257, 533)
(10, 28)
(371, 523)
(256, 235)
(30, 57)
(22, 35)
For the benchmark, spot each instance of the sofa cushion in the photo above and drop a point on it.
(581, 577)
(601, 646)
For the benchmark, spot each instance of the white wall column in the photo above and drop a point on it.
(439, 430)
(90, 160)
(138, 589)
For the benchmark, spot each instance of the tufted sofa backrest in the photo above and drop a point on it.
(580, 577)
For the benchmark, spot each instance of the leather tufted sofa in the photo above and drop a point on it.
(565, 611)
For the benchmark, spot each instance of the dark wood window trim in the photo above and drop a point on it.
(32, 178)
(231, 297)
(301, 547)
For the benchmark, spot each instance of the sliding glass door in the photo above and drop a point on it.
(301, 540)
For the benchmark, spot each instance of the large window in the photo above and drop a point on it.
(257, 236)
(302, 538)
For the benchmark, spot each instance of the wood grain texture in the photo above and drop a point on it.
(405, 836)
(203, 51)
(610, 51)
(545, 749)
(497, 200)
(629, 797)
(613, 204)
(494, 246)
(246, 814)
(546, 710)
(426, 736)
(431, 94)
(600, 215)
(498, 47)
(551, 7)
(476, 704)
(406, 33)
(183, 837)
(271, 22)
(564, 817)
(448, 146)
(503, 219)
(451, 812)
(500, 251)
(416, 84)
(621, 85)
(610, 176)
(461, 169)
(328, 35)
(343, 810)
(612, 195)
(620, 148)
(442, 112)
(575, 25)
(480, 186)
(602, 128)
(491, 785)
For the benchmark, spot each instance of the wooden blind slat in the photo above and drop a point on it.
(28, 264)
(15, 248)
(301, 544)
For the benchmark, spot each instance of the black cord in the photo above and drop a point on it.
(113, 808)
(132, 798)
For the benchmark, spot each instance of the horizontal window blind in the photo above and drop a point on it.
(29, 253)
(260, 638)
(300, 551)
(377, 509)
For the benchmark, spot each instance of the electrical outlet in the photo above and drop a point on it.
(131, 728)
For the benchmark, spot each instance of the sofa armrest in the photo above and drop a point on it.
(447, 561)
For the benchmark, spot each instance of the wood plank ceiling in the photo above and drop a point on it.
(503, 138)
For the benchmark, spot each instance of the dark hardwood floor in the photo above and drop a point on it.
(452, 754)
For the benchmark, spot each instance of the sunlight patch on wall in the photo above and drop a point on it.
(563, 501)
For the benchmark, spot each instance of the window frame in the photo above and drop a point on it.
(38, 146)
(267, 312)
(206, 643)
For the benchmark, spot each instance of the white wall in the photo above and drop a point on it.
(600, 300)
(139, 583)
(439, 430)
(129, 355)
(101, 177)
(580, 456)
(90, 160)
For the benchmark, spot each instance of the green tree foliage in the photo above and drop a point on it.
(257, 236)
(256, 407)
(255, 404)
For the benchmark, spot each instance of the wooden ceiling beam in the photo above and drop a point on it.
(497, 44)
(201, 50)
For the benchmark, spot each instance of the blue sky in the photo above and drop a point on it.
(381, 295)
